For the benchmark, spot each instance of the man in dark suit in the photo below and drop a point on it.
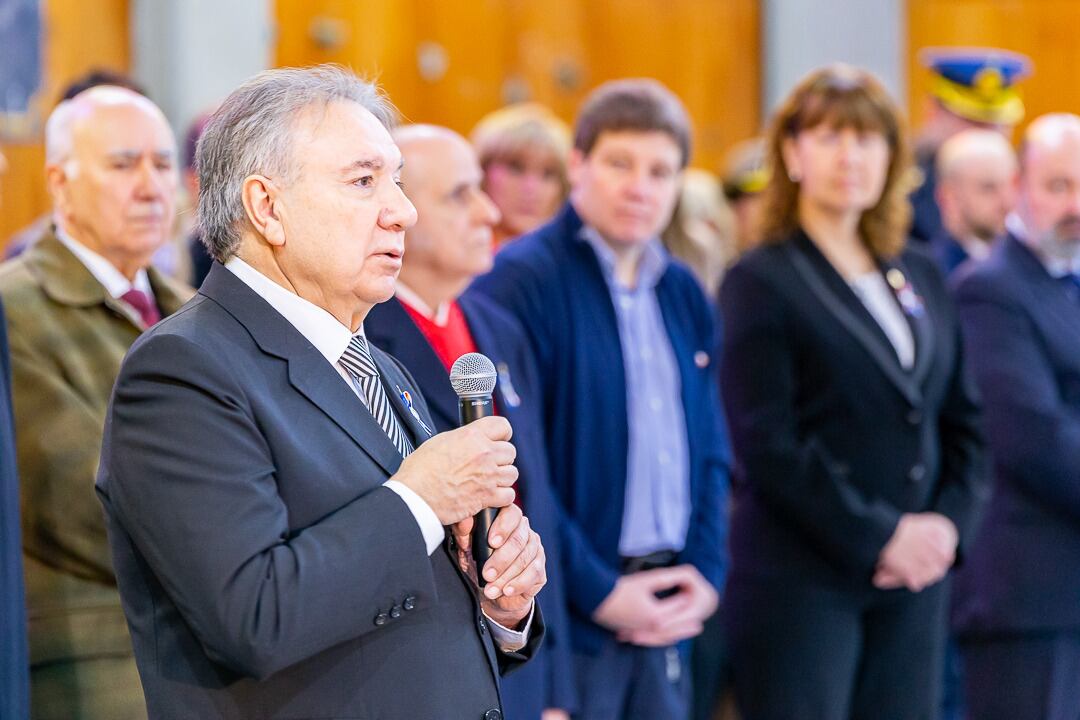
(1016, 595)
(976, 190)
(276, 505)
(430, 323)
(624, 340)
(14, 680)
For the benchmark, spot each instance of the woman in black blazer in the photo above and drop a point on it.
(858, 453)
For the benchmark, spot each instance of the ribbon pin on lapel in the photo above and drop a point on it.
(909, 300)
(407, 399)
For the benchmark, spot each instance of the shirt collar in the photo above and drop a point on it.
(320, 328)
(439, 316)
(651, 266)
(104, 271)
(1056, 266)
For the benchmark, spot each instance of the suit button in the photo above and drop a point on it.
(493, 715)
(917, 472)
(395, 612)
(382, 619)
(914, 417)
(409, 603)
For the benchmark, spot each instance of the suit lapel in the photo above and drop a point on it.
(396, 386)
(922, 327)
(842, 303)
(309, 372)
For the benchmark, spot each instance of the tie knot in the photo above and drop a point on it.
(143, 305)
(357, 358)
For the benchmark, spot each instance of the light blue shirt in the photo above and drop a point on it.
(656, 515)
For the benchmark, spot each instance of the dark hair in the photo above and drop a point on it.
(638, 104)
(101, 76)
(842, 97)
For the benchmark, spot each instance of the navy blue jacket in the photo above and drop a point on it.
(14, 661)
(546, 681)
(552, 282)
(1022, 330)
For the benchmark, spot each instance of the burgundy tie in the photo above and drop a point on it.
(143, 304)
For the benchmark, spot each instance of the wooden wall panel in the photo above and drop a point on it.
(78, 36)
(708, 51)
(1045, 30)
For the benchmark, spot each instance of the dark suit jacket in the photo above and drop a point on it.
(548, 680)
(14, 660)
(265, 570)
(833, 439)
(551, 281)
(1022, 331)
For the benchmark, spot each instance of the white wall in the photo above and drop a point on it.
(800, 35)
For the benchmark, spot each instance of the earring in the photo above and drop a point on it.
(793, 176)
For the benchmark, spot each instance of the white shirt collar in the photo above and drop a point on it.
(104, 271)
(321, 329)
(407, 295)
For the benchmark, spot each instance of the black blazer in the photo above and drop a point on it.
(548, 680)
(833, 438)
(1022, 329)
(264, 569)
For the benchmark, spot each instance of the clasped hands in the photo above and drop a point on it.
(919, 553)
(636, 616)
(462, 471)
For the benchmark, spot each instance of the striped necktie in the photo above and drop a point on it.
(357, 360)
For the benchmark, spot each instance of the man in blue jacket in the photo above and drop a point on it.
(14, 661)
(624, 340)
(1015, 598)
(430, 323)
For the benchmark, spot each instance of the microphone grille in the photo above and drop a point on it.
(472, 375)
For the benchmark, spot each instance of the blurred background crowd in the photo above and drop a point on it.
(878, 204)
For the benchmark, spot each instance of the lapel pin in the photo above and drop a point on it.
(701, 359)
(407, 399)
(507, 387)
(909, 300)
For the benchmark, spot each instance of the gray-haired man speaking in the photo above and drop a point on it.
(276, 505)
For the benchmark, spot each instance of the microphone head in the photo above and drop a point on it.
(473, 375)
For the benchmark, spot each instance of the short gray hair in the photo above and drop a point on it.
(250, 134)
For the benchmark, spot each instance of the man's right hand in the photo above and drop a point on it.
(462, 471)
(637, 616)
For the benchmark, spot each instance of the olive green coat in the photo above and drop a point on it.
(67, 338)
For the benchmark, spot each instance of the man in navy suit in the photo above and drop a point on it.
(624, 340)
(1016, 597)
(277, 506)
(430, 323)
(976, 190)
(14, 661)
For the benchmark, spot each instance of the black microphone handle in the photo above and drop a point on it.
(469, 410)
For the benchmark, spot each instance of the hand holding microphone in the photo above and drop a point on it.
(464, 475)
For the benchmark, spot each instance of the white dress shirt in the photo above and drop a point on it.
(331, 338)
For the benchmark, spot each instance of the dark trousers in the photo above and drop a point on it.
(710, 668)
(1023, 677)
(626, 682)
(801, 652)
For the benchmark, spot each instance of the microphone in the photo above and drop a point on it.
(473, 379)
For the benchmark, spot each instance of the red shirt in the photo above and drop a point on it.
(449, 341)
